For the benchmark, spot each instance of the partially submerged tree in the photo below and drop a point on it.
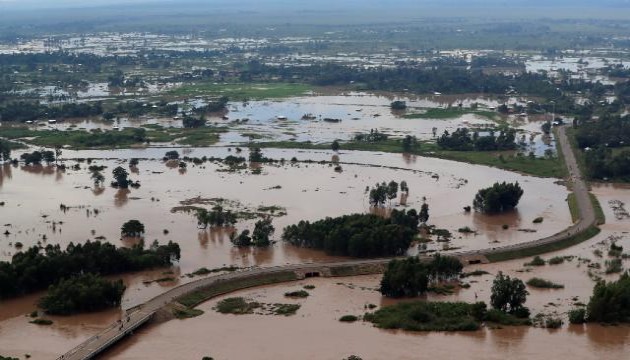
(132, 228)
(508, 295)
(263, 229)
(500, 197)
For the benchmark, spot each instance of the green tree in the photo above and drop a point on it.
(398, 105)
(82, 293)
(242, 240)
(423, 216)
(404, 187)
(610, 302)
(409, 143)
(263, 229)
(335, 146)
(132, 228)
(508, 295)
(392, 190)
(500, 197)
(255, 155)
(121, 177)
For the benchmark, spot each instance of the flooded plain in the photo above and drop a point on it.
(304, 190)
(315, 332)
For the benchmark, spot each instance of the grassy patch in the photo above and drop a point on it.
(573, 207)
(348, 318)
(297, 294)
(599, 212)
(201, 295)
(237, 306)
(242, 91)
(502, 318)
(450, 113)
(474, 273)
(41, 322)
(427, 316)
(543, 284)
(186, 313)
(544, 248)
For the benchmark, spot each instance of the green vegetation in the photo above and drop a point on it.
(297, 294)
(450, 113)
(500, 197)
(536, 261)
(243, 91)
(349, 318)
(610, 302)
(412, 277)
(613, 266)
(556, 260)
(429, 316)
(573, 207)
(285, 309)
(502, 318)
(509, 295)
(599, 212)
(196, 297)
(577, 316)
(82, 293)
(132, 228)
(463, 140)
(544, 248)
(215, 217)
(543, 284)
(474, 273)
(36, 269)
(236, 305)
(309, 287)
(186, 313)
(45, 322)
(538, 220)
(358, 235)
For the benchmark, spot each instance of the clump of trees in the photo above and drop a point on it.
(509, 295)
(37, 157)
(256, 155)
(171, 155)
(409, 143)
(498, 198)
(37, 268)
(190, 122)
(5, 150)
(215, 217)
(357, 235)
(463, 140)
(398, 105)
(132, 228)
(373, 136)
(603, 163)
(82, 293)
(412, 276)
(382, 192)
(260, 237)
(610, 302)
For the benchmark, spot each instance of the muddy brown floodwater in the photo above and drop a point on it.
(315, 332)
(32, 215)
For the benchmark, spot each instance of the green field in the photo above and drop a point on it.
(450, 113)
(242, 91)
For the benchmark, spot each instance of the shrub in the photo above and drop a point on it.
(552, 322)
(577, 316)
(536, 261)
(41, 322)
(556, 260)
(613, 266)
(297, 294)
(309, 287)
(538, 220)
(544, 284)
(236, 305)
(348, 318)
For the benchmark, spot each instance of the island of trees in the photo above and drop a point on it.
(498, 198)
(357, 235)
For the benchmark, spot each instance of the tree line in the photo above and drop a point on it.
(463, 140)
(36, 268)
(412, 276)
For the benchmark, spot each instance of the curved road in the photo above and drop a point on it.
(98, 343)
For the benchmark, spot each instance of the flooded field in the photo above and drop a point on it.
(315, 332)
(33, 195)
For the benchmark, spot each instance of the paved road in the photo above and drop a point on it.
(143, 313)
